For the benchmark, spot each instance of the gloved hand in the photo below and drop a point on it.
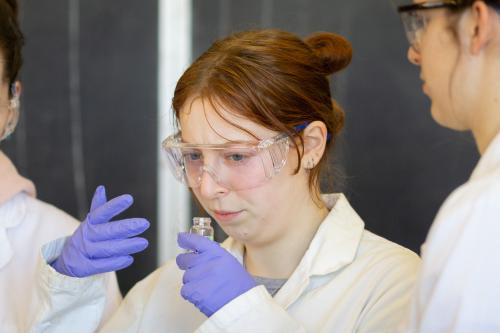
(99, 246)
(213, 276)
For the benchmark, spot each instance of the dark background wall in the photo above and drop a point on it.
(89, 107)
(398, 165)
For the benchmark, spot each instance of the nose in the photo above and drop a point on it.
(210, 188)
(413, 56)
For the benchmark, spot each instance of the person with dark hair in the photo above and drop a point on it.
(456, 44)
(26, 223)
(256, 119)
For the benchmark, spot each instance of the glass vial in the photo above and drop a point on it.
(202, 227)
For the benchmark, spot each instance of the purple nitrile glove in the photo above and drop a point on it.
(98, 245)
(213, 276)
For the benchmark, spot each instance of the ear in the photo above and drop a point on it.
(315, 136)
(484, 30)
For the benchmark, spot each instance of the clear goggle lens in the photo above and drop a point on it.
(13, 108)
(236, 166)
(415, 16)
(414, 23)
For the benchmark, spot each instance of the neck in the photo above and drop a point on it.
(484, 136)
(279, 258)
(485, 118)
(486, 121)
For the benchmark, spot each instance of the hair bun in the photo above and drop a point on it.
(333, 51)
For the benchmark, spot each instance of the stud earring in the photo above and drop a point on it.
(310, 164)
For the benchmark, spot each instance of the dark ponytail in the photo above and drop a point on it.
(11, 40)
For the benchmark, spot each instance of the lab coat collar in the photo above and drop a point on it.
(333, 247)
(336, 242)
(489, 161)
(11, 183)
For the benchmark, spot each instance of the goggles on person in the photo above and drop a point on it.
(234, 165)
(415, 16)
(11, 106)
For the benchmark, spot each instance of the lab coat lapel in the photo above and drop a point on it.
(333, 247)
(11, 183)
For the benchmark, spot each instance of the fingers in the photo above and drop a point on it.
(198, 273)
(196, 242)
(110, 209)
(99, 198)
(191, 292)
(116, 248)
(189, 260)
(97, 266)
(117, 229)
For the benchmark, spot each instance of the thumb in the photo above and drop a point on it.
(99, 198)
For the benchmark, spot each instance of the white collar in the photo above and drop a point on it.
(11, 209)
(12, 214)
(11, 182)
(490, 160)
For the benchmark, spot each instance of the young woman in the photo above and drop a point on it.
(456, 43)
(25, 222)
(256, 118)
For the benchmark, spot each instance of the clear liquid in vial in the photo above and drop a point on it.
(201, 226)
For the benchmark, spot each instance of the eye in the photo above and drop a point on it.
(192, 156)
(236, 157)
(239, 156)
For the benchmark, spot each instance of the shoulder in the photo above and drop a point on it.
(387, 257)
(480, 196)
(467, 223)
(472, 209)
(47, 220)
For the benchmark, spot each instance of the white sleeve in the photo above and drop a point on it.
(129, 315)
(253, 311)
(68, 304)
(113, 297)
(458, 290)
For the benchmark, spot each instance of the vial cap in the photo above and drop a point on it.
(202, 221)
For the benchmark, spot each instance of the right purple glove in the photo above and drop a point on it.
(213, 277)
(98, 245)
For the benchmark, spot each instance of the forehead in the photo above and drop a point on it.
(201, 123)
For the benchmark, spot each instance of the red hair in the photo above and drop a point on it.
(272, 78)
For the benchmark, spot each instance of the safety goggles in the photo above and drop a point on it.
(234, 165)
(415, 16)
(11, 106)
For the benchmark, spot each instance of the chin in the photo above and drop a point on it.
(239, 234)
(445, 119)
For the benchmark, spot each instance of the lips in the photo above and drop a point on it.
(226, 216)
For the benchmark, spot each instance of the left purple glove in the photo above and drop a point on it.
(213, 276)
(98, 245)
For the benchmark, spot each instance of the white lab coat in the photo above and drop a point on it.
(25, 225)
(458, 290)
(349, 280)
